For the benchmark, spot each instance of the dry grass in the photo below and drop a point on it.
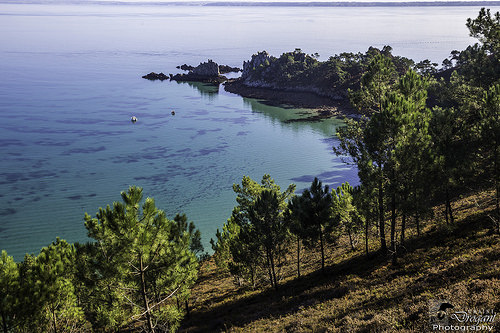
(459, 262)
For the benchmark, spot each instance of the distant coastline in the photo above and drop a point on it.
(356, 4)
(264, 4)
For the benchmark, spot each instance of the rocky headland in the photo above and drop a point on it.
(293, 79)
(322, 106)
(301, 80)
(274, 80)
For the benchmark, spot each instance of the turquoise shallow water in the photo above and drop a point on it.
(71, 80)
(69, 147)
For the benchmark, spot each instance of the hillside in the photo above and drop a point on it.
(459, 263)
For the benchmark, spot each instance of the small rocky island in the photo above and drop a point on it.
(206, 72)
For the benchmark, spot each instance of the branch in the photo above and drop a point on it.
(140, 307)
(163, 300)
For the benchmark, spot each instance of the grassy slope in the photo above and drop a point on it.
(460, 263)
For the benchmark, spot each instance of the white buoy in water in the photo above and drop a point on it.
(133, 119)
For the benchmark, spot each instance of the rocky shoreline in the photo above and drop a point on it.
(324, 107)
(209, 72)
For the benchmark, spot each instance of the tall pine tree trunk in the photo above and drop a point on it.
(366, 236)
(144, 296)
(54, 320)
(187, 309)
(350, 239)
(252, 277)
(448, 206)
(417, 222)
(273, 270)
(381, 217)
(269, 268)
(298, 257)
(496, 177)
(446, 212)
(403, 226)
(4, 322)
(322, 249)
(393, 228)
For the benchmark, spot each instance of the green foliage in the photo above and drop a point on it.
(345, 212)
(486, 28)
(334, 76)
(181, 226)
(313, 212)
(237, 249)
(389, 148)
(377, 80)
(47, 297)
(489, 128)
(426, 67)
(143, 260)
(54, 270)
(9, 276)
(220, 246)
(267, 228)
(479, 64)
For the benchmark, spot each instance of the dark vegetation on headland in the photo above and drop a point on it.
(423, 225)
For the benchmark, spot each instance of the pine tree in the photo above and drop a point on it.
(490, 137)
(377, 80)
(294, 225)
(315, 215)
(9, 284)
(345, 212)
(364, 199)
(236, 247)
(267, 228)
(143, 261)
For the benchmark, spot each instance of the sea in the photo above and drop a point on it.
(70, 81)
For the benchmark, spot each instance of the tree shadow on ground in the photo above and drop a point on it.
(441, 244)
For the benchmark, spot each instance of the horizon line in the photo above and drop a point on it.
(269, 4)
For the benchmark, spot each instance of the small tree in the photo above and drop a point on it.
(47, 294)
(376, 82)
(145, 258)
(345, 211)
(315, 215)
(9, 285)
(268, 229)
(235, 247)
(490, 137)
(293, 220)
(364, 199)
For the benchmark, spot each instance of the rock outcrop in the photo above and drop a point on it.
(206, 72)
(185, 67)
(154, 76)
(208, 69)
(259, 59)
(223, 69)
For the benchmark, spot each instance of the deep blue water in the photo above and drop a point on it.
(71, 80)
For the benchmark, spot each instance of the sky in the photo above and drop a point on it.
(393, 1)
